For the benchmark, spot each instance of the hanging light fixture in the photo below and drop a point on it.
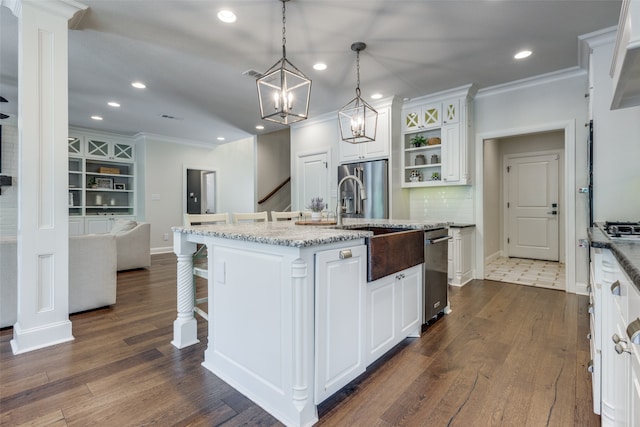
(358, 120)
(283, 90)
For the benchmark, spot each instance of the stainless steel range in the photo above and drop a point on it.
(625, 230)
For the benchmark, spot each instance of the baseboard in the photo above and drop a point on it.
(581, 288)
(25, 340)
(164, 250)
(493, 256)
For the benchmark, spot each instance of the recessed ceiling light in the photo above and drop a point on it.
(113, 104)
(376, 96)
(259, 127)
(320, 66)
(522, 54)
(138, 85)
(220, 138)
(96, 118)
(227, 16)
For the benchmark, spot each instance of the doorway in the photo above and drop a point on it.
(313, 173)
(523, 207)
(200, 197)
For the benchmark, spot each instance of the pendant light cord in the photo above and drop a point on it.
(358, 73)
(284, 30)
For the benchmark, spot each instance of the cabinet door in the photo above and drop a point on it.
(451, 153)
(350, 152)
(411, 119)
(410, 299)
(340, 313)
(76, 226)
(381, 320)
(431, 116)
(122, 151)
(451, 112)
(97, 148)
(380, 147)
(75, 145)
(99, 225)
(634, 398)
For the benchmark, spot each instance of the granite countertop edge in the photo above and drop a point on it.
(627, 253)
(287, 233)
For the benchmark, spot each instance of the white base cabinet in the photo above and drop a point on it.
(619, 309)
(340, 313)
(394, 311)
(461, 245)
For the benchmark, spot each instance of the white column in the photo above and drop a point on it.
(43, 243)
(185, 327)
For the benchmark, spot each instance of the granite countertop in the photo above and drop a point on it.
(287, 233)
(626, 252)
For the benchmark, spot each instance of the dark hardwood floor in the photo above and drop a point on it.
(508, 355)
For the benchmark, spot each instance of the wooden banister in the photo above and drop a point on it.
(274, 191)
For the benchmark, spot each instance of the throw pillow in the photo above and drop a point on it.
(123, 225)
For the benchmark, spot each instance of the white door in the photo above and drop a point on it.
(532, 207)
(208, 192)
(313, 172)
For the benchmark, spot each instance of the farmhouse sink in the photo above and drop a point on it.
(390, 250)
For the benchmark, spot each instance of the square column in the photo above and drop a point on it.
(43, 237)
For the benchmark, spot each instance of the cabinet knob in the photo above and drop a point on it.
(620, 349)
(590, 310)
(590, 367)
(616, 339)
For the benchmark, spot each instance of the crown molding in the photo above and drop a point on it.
(567, 73)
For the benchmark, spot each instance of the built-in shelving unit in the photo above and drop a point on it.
(101, 183)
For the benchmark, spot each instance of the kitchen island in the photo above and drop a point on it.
(287, 309)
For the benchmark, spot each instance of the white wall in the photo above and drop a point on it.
(9, 197)
(165, 163)
(616, 142)
(274, 154)
(554, 101)
(492, 206)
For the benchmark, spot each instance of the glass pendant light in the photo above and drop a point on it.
(283, 90)
(358, 120)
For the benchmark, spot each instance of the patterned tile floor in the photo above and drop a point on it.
(531, 272)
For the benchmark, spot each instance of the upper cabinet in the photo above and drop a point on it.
(435, 136)
(626, 58)
(378, 149)
(108, 150)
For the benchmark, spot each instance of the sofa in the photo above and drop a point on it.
(133, 242)
(92, 274)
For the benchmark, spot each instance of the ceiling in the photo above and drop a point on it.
(193, 64)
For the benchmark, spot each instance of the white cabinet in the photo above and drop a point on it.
(626, 57)
(461, 245)
(108, 150)
(619, 302)
(340, 314)
(394, 311)
(102, 224)
(443, 122)
(426, 116)
(377, 149)
(101, 181)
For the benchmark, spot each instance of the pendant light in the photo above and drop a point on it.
(283, 90)
(358, 120)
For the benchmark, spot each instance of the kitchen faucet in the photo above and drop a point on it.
(363, 196)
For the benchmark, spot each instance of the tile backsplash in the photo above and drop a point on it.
(442, 204)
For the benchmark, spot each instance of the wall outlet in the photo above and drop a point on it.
(165, 237)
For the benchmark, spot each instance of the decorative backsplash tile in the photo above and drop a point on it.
(442, 204)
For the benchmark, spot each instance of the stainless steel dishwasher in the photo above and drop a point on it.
(435, 287)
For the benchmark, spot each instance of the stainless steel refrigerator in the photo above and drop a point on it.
(375, 176)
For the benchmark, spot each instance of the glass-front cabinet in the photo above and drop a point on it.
(435, 139)
(101, 181)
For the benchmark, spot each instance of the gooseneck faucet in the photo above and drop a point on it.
(363, 196)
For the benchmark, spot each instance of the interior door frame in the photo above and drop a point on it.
(569, 129)
(184, 185)
(505, 196)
